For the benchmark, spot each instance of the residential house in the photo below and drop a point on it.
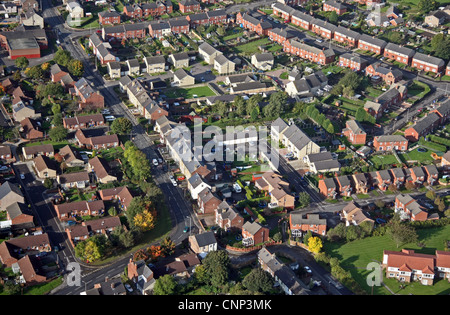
(133, 66)
(254, 233)
(422, 127)
(217, 16)
(31, 129)
(70, 180)
(22, 110)
(323, 28)
(250, 88)
(346, 36)
(407, 266)
(437, 18)
(101, 170)
(428, 63)
(9, 194)
(89, 99)
(56, 73)
(302, 20)
(159, 29)
(179, 25)
(383, 179)
(155, 64)
(418, 176)
(328, 188)
(111, 287)
(297, 142)
(264, 61)
(282, 274)
(31, 18)
(354, 132)
(196, 185)
(14, 249)
(398, 177)
(97, 142)
(227, 218)
(84, 121)
(179, 60)
(75, 10)
(223, 65)
(208, 53)
(279, 35)
(121, 194)
(282, 10)
(360, 183)
(352, 61)
(70, 156)
(322, 162)
(399, 53)
(203, 243)
(108, 18)
(198, 19)
(299, 225)
(114, 69)
(277, 188)
(35, 150)
(69, 210)
(313, 54)
(141, 275)
(253, 24)
(388, 75)
(390, 142)
(6, 155)
(182, 78)
(207, 201)
(443, 264)
(188, 6)
(344, 186)
(44, 167)
(20, 215)
(352, 214)
(335, 6)
(133, 11)
(409, 208)
(372, 44)
(432, 174)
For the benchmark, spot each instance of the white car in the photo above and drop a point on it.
(174, 183)
(308, 270)
(128, 287)
(155, 162)
(237, 188)
(272, 205)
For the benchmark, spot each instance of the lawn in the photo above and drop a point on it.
(355, 256)
(414, 155)
(252, 47)
(56, 145)
(378, 160)
(188, 93)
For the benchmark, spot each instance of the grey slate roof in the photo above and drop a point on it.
(399, 49)
(205, 239)
(373, 41)
(429, 59)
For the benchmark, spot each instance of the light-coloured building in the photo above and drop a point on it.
(223, 65)
(182, 78)
(264, 61)
(208, 53)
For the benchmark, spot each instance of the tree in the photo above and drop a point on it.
(410, 186)
(221, 31)
(217, 267)
(58, 133)
(75, 67)
(11, 288)
(239, 104)
(35, 72)
(401, 233)
(443, 49)
(396, 37)
(91, 249)
(304, 199)
(48, 183)
(112, 211)
(17, 76)
(145, 220)
(258, 280)
(56, 109)
(315, 244)
(393, 188)
(21, 62)
(439, 37)
(431, 194)
(165, 285)
(306, 237)
(62, 57)
(167, 246)
(426, 6)
(121, 126)
(221, 108)
(333, 17)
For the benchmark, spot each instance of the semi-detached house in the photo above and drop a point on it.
(313, 54)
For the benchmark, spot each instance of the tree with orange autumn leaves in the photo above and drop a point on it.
(141, 213)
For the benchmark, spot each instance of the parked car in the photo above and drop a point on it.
(128, 287)
(272, 205)
(237, 188)
(155, 162)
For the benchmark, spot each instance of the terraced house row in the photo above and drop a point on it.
(364, 42)
(345, 185)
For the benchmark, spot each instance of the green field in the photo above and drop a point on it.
(201, 91)
(355, 256)
(415, 155)
(379, 160)
(252, 47)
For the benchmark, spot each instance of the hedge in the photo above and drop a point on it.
(440, 140)
(432, 145)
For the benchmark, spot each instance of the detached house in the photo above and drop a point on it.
(141, 275)
(418, 176)
(352, 214)
(335, 6)
(10, 194)
(360, 183)
(228, 218)
(354, 132)
(409, 208)
(328, 188)
(432, 174)
(253, 234)
(120, 194)
(203, 243)
(70, 180)
(383, 179)
(398, 176)
(188, 6)
(108, 18)
(207, 201)
(344, 186)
